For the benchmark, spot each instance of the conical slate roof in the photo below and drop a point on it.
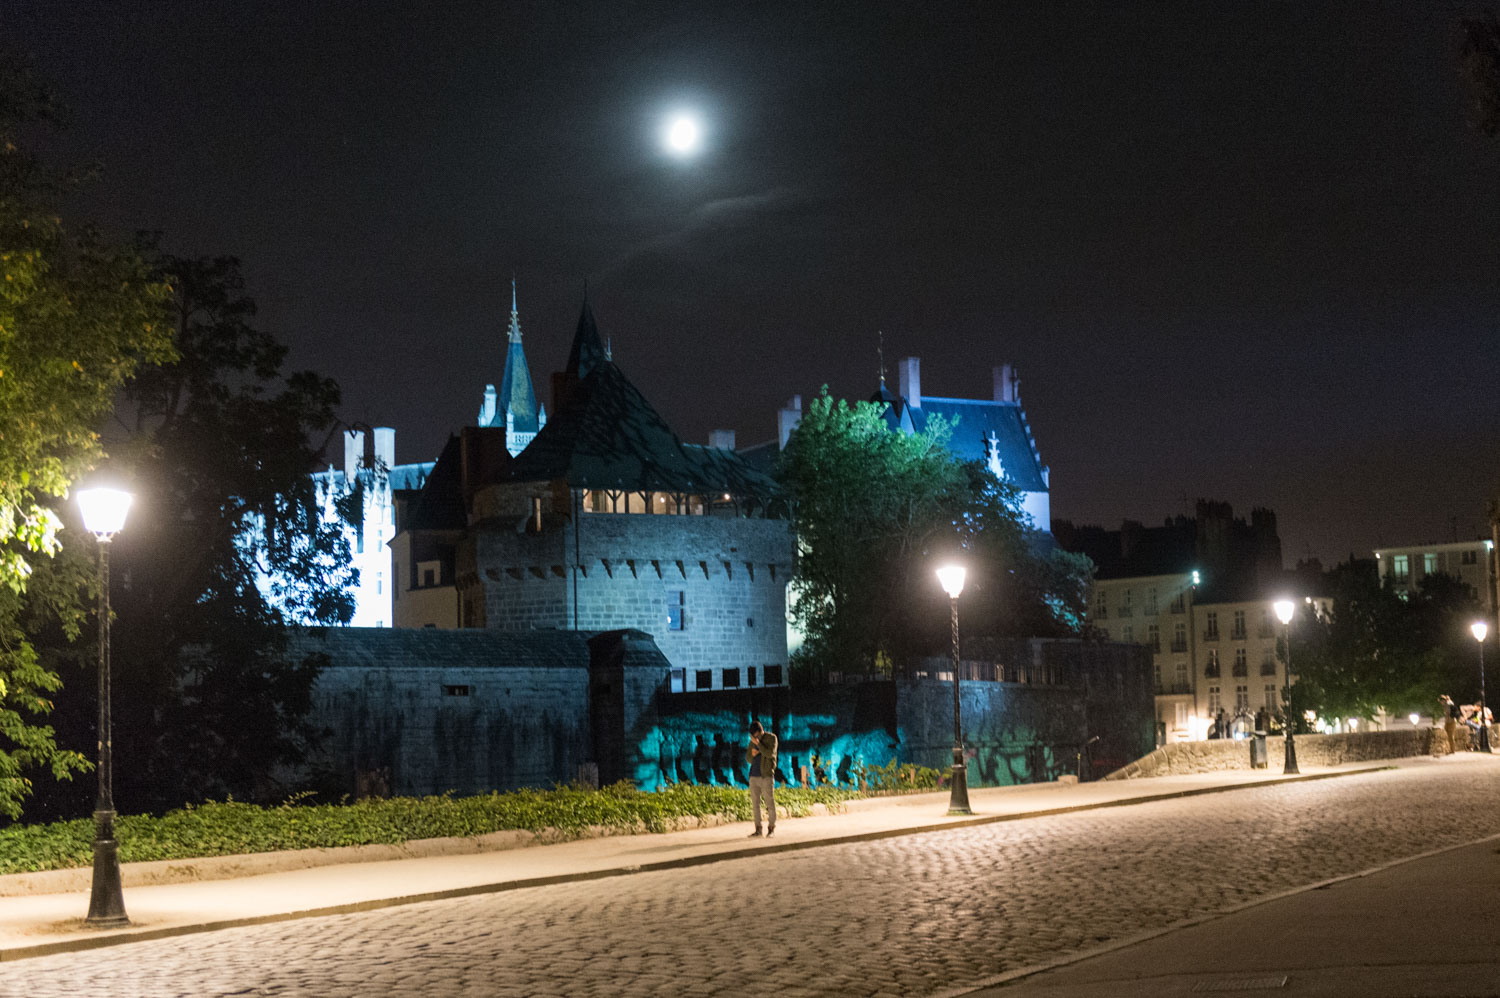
(588, 349)
(607, 436)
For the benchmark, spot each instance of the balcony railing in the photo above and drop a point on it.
(1179, 644)
(1241, 669)
(1210, 635)
(1238, 634)
(1268, 668)
(1173, 689)
(1211, 672)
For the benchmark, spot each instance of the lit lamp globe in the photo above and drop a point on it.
(1479, 629)
(1284, 610)
(104, 511)
(1414, 717)
(951, 578)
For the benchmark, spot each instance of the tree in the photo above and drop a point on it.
(1383, 650)
(77, 316)
(228, 546)
(875, 509)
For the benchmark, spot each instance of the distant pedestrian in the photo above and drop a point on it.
(762, 759)
(1262, 721)
(1452, 714)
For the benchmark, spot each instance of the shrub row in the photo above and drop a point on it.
(231, 828)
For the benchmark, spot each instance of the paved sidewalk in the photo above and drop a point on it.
(1418, 927)
(50, 923)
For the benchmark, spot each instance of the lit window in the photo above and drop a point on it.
(1430, 564)
(676, 599)
(1401, 568)
(677, 681)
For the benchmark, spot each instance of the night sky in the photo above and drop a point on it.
(1240, 251)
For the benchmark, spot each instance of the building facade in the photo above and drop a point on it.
(1199, 593)
(1471, 562)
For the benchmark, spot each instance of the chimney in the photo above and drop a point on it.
(722, 439)
(354, 454)
(1006, 389)
(911, 381)
(788, 418)
(385, 447)
(487, 410)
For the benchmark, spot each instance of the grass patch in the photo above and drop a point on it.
(231, 828)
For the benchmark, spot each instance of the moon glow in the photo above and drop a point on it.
(683, 135)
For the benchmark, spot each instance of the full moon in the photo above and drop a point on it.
(683, 135)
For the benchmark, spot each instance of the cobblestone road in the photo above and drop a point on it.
(903, 916)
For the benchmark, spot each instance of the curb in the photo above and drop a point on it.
(12, 953)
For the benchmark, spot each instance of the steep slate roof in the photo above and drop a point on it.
(975, 420)
(441, 504)
(609, 437)
(410, 476)
(516, 394)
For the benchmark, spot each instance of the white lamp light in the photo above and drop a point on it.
(1284, 610)
(104, 511)
(1479, 629)
(951, 578)
(1414, 718)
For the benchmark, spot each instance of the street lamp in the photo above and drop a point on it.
(1284, 610)
(1479, 629)
(951, 578)
(103, 515)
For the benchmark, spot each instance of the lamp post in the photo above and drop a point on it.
(103, 515)
(951, 578)
(1479, 629)
(1284, 610)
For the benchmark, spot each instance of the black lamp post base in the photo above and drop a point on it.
(958, 801)
(1484, 738)
(1290, 769)
(107, 900)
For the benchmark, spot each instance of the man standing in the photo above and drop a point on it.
(1451, 715)
(762, 759)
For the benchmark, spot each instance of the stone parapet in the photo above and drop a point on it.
(1182, 758)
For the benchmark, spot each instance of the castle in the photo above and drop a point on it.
(600, 519)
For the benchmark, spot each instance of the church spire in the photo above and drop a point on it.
(515, 319)
(514, 406)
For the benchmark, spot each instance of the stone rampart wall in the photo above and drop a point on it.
(1181, 758)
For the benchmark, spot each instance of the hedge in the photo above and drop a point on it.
(230, 827)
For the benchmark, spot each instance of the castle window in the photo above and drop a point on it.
(731, 679)
(705, 679)
(1469, 558)
(675, 602)
(457, 691)
(678, 681)
(773, 675)
(751, 680)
